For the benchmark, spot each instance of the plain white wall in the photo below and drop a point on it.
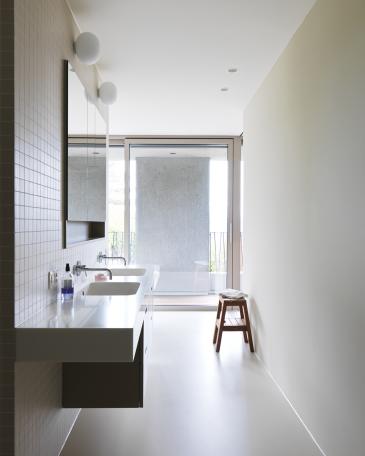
(304, 134)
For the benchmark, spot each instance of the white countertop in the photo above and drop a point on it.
(90, 329)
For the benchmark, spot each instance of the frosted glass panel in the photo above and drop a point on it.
(178, 215)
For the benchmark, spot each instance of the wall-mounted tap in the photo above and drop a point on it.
(78, 268)
(102, 256)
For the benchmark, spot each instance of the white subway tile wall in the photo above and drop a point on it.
(44, 33)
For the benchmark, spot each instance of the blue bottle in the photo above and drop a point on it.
(67, 288)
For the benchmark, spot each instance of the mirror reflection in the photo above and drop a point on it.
(86, 156)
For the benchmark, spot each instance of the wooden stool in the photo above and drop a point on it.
(232, 324)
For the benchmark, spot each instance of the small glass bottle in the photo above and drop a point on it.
(67, 287)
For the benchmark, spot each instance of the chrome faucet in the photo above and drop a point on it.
(102, 256)
(79, 268)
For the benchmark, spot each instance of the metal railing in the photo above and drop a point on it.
(116, 242)
(217, 251)
(217, 248)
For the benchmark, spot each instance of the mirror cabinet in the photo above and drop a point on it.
(84, 163)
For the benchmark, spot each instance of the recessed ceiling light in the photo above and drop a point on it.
(224, 89)
(232, 70)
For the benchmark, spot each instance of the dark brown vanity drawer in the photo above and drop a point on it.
(104, 385)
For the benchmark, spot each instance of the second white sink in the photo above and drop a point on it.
(128, 271)
(112, 288)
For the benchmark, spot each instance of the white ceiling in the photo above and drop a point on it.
(170, 58)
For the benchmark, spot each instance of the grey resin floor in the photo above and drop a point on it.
(198, 403)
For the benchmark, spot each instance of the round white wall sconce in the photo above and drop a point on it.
(87, 48)
(108, 93)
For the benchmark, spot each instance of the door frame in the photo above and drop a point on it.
(233, 210)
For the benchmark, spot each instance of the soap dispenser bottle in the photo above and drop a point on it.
(67, 288)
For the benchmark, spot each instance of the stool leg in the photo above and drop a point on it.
(220, 329)
(243, 319)
(245, 338)
(215, 333)
(248, 326)
(215, 324)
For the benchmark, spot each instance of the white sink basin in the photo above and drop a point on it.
(128, 271)
(112, 288)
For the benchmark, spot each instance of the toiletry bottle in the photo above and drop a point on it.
(67, 290)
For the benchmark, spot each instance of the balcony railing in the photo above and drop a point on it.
(217, 248)
(116, 240)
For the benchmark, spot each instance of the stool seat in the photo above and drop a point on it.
(232, 324)
(230, 293)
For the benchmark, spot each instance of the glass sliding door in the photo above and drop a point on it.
(178, 213)
(116, 194)
(242, 173)
(218, 221)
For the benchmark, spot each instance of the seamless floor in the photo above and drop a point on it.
(198, 403)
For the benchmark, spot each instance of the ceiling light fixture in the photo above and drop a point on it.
(108, 93)
(87, 48)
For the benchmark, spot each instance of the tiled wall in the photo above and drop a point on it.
(44, 32)
(6, 227)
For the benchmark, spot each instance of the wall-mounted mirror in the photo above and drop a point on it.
(84, 164)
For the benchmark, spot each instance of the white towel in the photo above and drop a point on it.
(230, 293)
